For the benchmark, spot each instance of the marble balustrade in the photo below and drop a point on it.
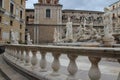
(21, 54)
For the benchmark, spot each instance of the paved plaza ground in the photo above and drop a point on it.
(109, 70)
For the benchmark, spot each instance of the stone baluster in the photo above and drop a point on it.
(34, 58)
(55, 64)
(12, 52)
(17, 55)
(94, 72)
(72, 67)
(6, 50)
(22, 55)
(27, 57)
(119, 72)
(43, 62)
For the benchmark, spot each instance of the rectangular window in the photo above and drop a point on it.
(1, 3)
(20, 14)
(26, 29)
(17, 11)
(20, 26)
(11, 8)
(0, 19)
(20, 37)
(48, 13)
(21, 2)
(11, 23)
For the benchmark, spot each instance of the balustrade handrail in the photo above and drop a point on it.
(94, 54)
(107, 52)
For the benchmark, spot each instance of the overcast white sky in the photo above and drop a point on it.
(97, 5)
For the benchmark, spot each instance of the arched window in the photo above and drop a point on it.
(48, 13)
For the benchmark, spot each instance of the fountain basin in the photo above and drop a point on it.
(81, 44)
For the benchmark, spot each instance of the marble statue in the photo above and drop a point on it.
(29, 41)
(108, 19)
(56, 36)
(94, 35)
(79, 34)
(69, 30)
(108, 38)
(88, 34)
(13, 39)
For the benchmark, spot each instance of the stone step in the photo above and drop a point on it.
(10, 72)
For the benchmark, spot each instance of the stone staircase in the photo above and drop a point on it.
(8, 73)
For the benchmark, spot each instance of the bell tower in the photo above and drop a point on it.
(48, 12)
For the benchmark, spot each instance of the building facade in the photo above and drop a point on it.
(113, 12)
(48, 15)
(12, 16)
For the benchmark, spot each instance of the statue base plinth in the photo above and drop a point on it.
(82, 44)
(108, 42)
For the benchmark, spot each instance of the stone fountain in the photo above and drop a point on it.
(84, 36)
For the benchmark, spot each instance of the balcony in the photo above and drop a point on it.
(12, 16)
(2, 10)
(21, 20)
(25, 58)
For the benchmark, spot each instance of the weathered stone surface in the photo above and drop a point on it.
(10, 72)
